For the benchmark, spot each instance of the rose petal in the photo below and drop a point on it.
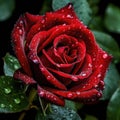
(85, 96)
(18, 39)
(50, 96)
(22, 76)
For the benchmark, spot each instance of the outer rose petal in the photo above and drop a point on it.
(50, 96)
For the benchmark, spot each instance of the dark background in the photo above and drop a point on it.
(34, 6)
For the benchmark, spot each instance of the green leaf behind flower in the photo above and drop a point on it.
(12, 97)
(113, 109)
(112, 81)
(81, 8)
(6, 9)
(112, 18)
(108, 44)
(10, 64)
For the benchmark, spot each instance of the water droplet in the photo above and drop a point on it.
(69, 95)
(58, 65)
(78, 93)
(99, 94)
(54, 110)
(22, 97)
(41, 93)
(64, 24)
(43, 21)
(71, 115)
(42, 69)
(2, 105)
(105, 56)
(38, 28)
(10, 106)
(90, 65)
(10, 59)
(96, 86)
(69, 16)
(16, 66)
(35, 61)
(83, 74)
(21, 22)
(20, 32)
(76, 43)
(99, 75)
(17, 100)
(7, 90)
(54, 98)
(70, 6)
(83, 86)
(48, 77)
(74, 78)
(101, 66)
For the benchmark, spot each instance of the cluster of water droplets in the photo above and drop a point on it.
(65, 113)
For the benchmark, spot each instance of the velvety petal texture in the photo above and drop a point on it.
(59, 54)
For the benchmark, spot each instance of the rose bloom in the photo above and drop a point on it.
(59, 54)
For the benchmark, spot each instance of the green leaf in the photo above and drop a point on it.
(113, 109)
(60, 113)
(6, 9)
(73, 105)
(81, 8)
(40, 116)
(112, 81)
(90, 117)
(12, 98)
(96, 23)
(108, 44)
(10, 64)
(112, 18)
(46, 6)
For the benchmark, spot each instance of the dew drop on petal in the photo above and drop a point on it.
(105, 56)
(78, 93)
(20, 32)
(69, 95)
(48, 77)
(42, 21)
(54, 99)
(74, 78)
(96, 86)
(90, 65)
(99, 75)
(99, 94)
(70, 6)
(21, 22)
(41, 93)
(69, 16)
(42, 69)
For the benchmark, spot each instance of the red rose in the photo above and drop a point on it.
(59, 54)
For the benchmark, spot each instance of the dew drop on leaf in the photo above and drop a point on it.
(10, 106)
(16, 66)
(71, 115)
(17, 100)
(2, 105)
(7, 90)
